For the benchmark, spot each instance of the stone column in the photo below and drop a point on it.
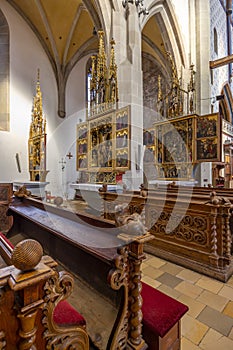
(127, 33)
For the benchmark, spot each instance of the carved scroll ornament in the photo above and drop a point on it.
(58, 288)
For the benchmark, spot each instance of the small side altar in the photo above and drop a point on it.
(37, 139)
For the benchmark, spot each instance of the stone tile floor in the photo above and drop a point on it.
(208, 325)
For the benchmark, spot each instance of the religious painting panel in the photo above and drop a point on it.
(175, 138)
(122, 139)
(122, 159)
(101, 143)
(82, 146)
(102, 177)
(123, 118)
(149, 145)
(208, 138)
(207, 126)
(207, 149)
(174, 148)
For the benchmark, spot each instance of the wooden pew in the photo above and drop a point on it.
(199, 236)
(32, 304)
(97, 256)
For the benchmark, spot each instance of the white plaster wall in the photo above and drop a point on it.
(26, 56)
(63, 138)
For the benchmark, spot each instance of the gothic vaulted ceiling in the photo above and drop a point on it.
(67, 31)
(64, 28)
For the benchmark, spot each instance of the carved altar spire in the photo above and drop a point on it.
(175, 103)
(113, 86)
(160, 93)
(191, 90)
(175, 80)
(37, 137)
(101, 70)
(103, 82)
(160, 97)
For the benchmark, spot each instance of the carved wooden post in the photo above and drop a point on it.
(27, 282)
(118, 278)
(226, 236)
(136, 255)
(213, 237)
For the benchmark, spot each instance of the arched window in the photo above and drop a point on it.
(88, 83)
(215, 41)
(4, 74)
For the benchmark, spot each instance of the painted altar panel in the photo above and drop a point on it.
(82, 146)
(101, 143)
(122, 139)
(174, 148)
(149, 144)
(103, 146)
(208, 138)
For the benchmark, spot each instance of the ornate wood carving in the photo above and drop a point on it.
(118, 278)
(58, 288)
(6, 192)
(2, 340)
(190, 228)
(136, 255)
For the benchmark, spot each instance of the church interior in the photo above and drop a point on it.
(116, 184)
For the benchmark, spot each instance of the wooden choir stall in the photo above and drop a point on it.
(108, 258)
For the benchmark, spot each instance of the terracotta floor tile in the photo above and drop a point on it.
(152, 282)
(169, 291)
(215, 340)
(227, 292)
(210, 284)
(193, 329)
(189, 289)
(189, 275)
(215, 301)
(155, 262)
(228, 310)
(169, 280)
(216, 320)
(152, 272)
(188, 345)
(230, 336)
(195, 307)
(171, 268)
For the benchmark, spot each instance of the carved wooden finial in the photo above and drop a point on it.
(27, 254)
(132, 224)
(22, 192)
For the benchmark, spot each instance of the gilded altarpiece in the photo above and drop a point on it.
(37, 139)
(177, 144)
(174, 148)
(103, 147)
